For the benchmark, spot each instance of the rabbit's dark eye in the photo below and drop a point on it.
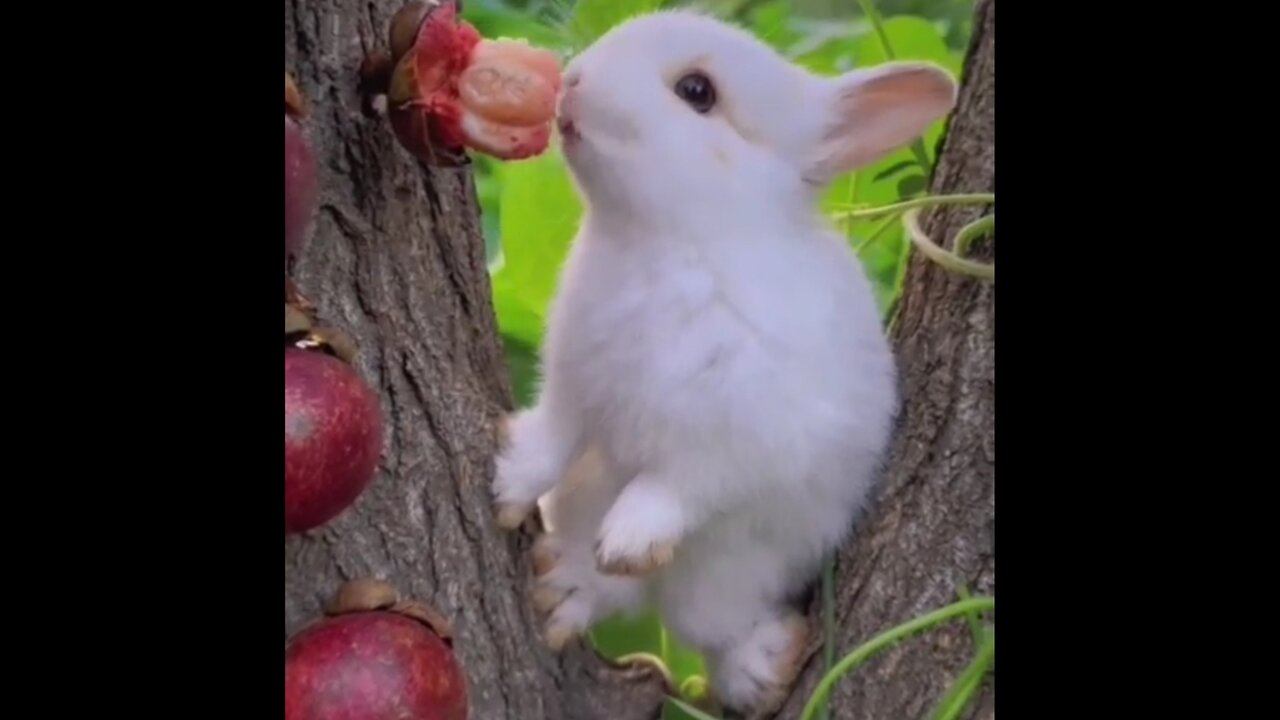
(697, 90)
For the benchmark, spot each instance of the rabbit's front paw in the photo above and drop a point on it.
(641, 531)
(526, 468)
(511, 503)
(653, 557)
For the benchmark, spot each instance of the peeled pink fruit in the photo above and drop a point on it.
(332, 438)
(376, 665)
(450, 87)
(300, 182)
(509, 82)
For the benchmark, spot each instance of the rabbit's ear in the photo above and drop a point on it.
(879, 110)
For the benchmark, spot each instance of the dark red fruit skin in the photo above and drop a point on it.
(300, 187)
(371, 666)
(332, 438)
(433, 116)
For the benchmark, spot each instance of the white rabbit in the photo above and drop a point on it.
(718, 392)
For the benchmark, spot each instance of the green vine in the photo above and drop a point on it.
(828, 624)
(859, 212)
(909, 211)
(958, 697)
(973, 231)
(891, 637)
(947, 259)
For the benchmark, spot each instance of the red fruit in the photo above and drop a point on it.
(372, 666)
(332, 438)
(300, 187)
(449, 87)
(510, 82)
(509, 142)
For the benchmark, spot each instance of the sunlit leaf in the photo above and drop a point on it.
(894, 169)
(515, 319)
(910, 186)
(494, 22)
(622, 636)
(912, 38)
(593, 18)
(539, 215)
(522, 364)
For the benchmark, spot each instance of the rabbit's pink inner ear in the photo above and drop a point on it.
(880, 110)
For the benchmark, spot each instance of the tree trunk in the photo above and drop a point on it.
(397, 259)
(934, 528)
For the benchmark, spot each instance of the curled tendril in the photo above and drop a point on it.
(910, 212)
(946, 258)
(973, 231)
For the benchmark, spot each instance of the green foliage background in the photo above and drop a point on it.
(530, 210)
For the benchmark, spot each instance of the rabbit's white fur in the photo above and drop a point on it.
(718, 393)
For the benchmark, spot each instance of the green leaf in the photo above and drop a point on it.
(593, 18)
(912, 38)
(910, 186)
(827, 47)
(522, 365)
(893, 170)
(539, 214)
(488, 191)
(515, 319)
(618, 636)
(496, 22)
(724, 9)
(771, 22)
(683, 661)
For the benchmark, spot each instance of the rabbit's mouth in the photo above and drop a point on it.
(568, 131)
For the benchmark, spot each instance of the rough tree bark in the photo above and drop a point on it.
(934, 527)
(397, 258)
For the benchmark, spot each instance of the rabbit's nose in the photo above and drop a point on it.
(569, 92)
